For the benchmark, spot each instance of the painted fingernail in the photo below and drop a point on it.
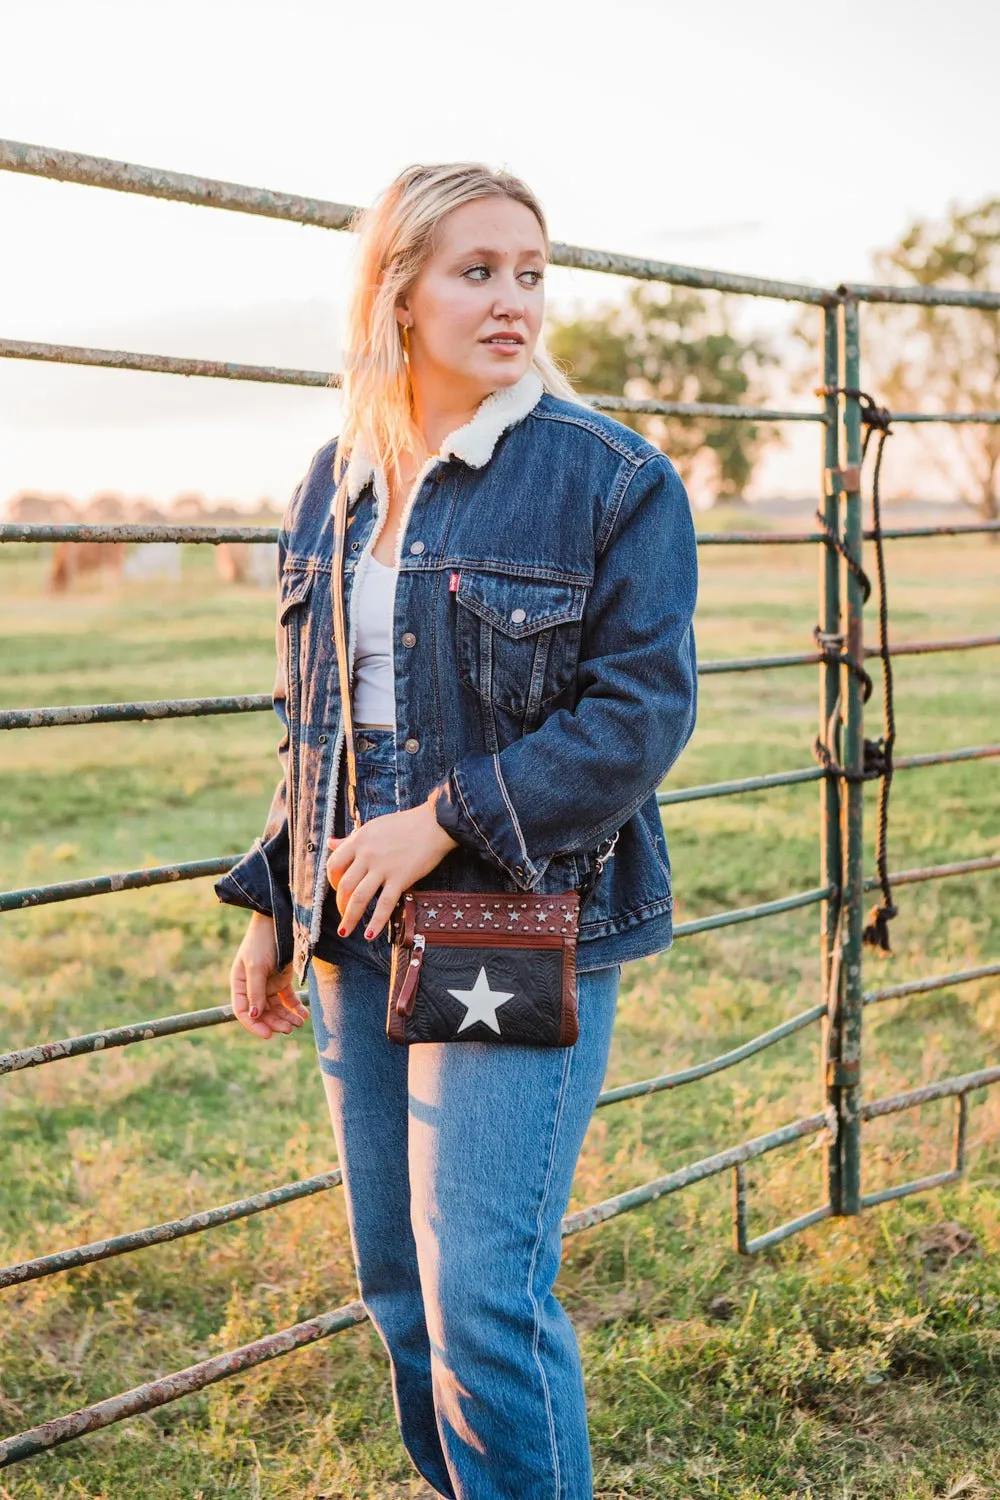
(369, 932)
(253, 1012)
(341, 930)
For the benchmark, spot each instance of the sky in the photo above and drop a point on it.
(779, 139)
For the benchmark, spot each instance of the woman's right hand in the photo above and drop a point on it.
(263, 996)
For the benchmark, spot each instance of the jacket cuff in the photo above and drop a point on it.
(259, 882)
(472, 799)
(248, 883)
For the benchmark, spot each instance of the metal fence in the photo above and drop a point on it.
(843, 761)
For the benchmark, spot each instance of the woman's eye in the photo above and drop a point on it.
(538, 275)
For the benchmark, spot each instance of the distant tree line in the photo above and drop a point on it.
(672, 344)
(33, 508)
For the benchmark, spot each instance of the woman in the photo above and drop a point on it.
(519, 580)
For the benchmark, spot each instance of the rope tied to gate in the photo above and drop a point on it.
(877, 754)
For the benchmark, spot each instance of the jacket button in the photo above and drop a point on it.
(409, 639)
(517, 615)
(416, 546)
(311, 846)
(518, 869)
(413, 746)
(323, 738)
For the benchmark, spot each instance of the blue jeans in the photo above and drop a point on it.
(458, 1161)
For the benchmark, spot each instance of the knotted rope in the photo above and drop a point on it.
(877, 754)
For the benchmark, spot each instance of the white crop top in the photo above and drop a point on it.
(373, 700)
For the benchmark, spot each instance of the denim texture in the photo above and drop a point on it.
(376, 762)
(458, 1164)
(544, 670)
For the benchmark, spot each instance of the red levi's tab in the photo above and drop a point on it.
(452, 582)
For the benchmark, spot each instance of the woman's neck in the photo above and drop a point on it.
(440, 408)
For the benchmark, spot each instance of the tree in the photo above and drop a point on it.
(943, 359)
(667, 344)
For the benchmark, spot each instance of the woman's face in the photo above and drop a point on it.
(484, 277)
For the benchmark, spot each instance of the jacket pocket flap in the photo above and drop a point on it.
(520, 606)
(295, 587)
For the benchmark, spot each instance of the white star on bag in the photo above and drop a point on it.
(481, 1002)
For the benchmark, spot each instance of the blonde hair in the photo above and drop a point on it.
(396, 239)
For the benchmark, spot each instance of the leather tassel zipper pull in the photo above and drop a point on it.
(408, 991)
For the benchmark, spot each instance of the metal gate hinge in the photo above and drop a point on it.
(843, 481)
(843, 1075)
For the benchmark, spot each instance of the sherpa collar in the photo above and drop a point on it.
(473, 442)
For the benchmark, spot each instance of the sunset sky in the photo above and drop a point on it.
(781, 139)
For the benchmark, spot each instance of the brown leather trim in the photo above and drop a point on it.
(495, 939)
(411, 978)
(488, 913)
(493, 919)
(570, 1027)
(395, 1028)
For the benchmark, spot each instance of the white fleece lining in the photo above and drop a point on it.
(474, 442)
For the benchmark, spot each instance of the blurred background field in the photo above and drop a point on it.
(858, 1359)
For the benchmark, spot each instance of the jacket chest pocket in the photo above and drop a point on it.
(517, 639)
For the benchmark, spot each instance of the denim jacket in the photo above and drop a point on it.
(544, 668)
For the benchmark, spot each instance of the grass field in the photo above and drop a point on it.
(859, 1359)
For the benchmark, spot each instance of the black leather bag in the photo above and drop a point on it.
(494, 966)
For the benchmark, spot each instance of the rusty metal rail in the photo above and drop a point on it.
(215, 369)
(110, 885)
(839, 894)
(73, 714)
(138, 532)
(129, 713)
(185, 1382)
(107, 885)
(174, 1229)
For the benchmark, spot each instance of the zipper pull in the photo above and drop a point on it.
(408, 992)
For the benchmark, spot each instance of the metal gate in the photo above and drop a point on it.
(843, 761)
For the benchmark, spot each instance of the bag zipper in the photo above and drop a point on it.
(404, 1001)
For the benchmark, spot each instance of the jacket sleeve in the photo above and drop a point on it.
(582, 774)
(259, 880)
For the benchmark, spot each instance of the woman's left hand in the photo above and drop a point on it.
(390, 853)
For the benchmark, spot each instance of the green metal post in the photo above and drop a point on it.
(830, 719)
(852, 802)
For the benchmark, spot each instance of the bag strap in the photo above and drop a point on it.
(587, 885)
(340, 642)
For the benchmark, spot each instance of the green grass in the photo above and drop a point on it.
(858, 1359)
